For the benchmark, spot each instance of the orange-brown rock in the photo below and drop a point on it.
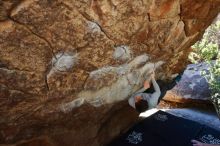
(67, 67)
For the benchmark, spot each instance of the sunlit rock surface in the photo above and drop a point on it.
(67, 67)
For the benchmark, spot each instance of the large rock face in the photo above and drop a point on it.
(68, 66)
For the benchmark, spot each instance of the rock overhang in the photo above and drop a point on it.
(57, 55)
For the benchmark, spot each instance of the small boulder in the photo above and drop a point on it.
(192, 88)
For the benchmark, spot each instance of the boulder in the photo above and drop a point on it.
(67, 67)
(192, 87)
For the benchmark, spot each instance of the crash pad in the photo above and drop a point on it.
(164, 129)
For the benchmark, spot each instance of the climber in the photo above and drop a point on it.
(197, 143)
(143, 101)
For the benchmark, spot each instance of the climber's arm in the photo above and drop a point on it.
(155, 96)
(146, 86)
(156, 87)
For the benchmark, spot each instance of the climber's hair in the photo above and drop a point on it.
(141, 105)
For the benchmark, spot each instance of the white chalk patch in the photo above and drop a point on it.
(96, 102)
(133, 77)
(121, 89)
(139, 60)
(122, 53)
(122, 70)
(97, 74)
(93, 27)
(67, 107)
(159, 63)
(64, 61)
(131, 80)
